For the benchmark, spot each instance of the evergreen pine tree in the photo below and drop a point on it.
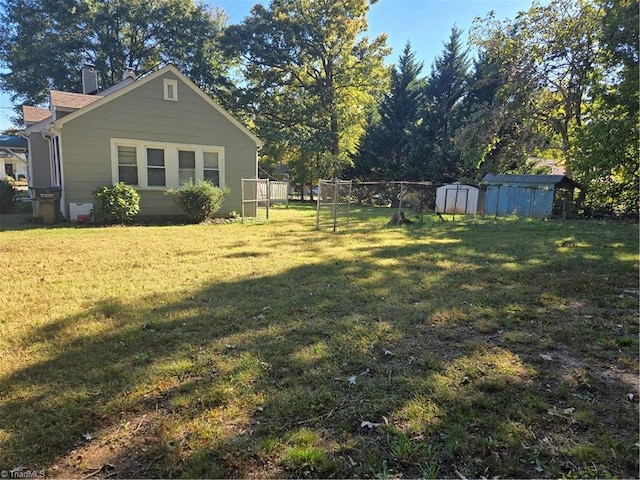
(435, 156)
(385, 149)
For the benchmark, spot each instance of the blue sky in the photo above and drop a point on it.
(425, 23)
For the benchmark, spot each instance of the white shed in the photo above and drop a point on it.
(457, 198)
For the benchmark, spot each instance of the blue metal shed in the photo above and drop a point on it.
(535, 196)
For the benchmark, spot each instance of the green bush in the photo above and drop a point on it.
(117, 204)
(8, 196)
(199, 200)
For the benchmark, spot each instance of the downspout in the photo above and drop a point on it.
(48, 138)
(27, 160)
(51, 133)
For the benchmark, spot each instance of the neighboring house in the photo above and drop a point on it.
(154, 133)
(548, 166)
(536, 196)
(13, 161)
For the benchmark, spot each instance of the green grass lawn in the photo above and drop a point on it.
(472, 348)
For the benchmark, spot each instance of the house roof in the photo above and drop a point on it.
(530, 180)
(114, 88)
(34, 114)
(99, 101)
(12, 146)
(72, 100)
(41, 126)
(12, 141)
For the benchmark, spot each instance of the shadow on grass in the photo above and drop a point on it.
(17, 221)
(489, 361)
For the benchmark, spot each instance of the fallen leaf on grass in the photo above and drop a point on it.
(561, 413)
(265, 366)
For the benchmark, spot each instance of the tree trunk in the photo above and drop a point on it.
(399, 218)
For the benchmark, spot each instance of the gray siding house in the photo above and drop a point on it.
(154, 133)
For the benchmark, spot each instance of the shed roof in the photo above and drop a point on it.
(491, 179)
(457, 186)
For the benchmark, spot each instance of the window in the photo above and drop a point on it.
(157, 166)
(170, 89)
(211, 168)
(186, 166)
(127, 165)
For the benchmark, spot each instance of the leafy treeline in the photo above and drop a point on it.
(559, 81)
(44, 43)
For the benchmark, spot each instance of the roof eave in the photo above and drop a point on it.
(37, 127)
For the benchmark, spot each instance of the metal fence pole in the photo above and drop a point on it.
(268, 196)
(335, 203)
(242, 192)
(446, 199)
(349, 203)
(317, 203)
(466, 201)
(455, 204)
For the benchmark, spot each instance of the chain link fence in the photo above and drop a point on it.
(258, 194)
(341, 202)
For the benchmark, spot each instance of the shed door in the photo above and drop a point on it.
(525, 201)
(512, 195)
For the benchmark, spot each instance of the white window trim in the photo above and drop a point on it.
(170, 161)
(167, 82)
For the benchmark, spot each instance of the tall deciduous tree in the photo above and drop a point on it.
(45, 42)
(499, 128)
(384, 151)
(546, 59)
(606, 153)
(568, 82)
(39, 41)
(311, 76)
(563, 39)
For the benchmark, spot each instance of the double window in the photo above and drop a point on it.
(155, 165)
